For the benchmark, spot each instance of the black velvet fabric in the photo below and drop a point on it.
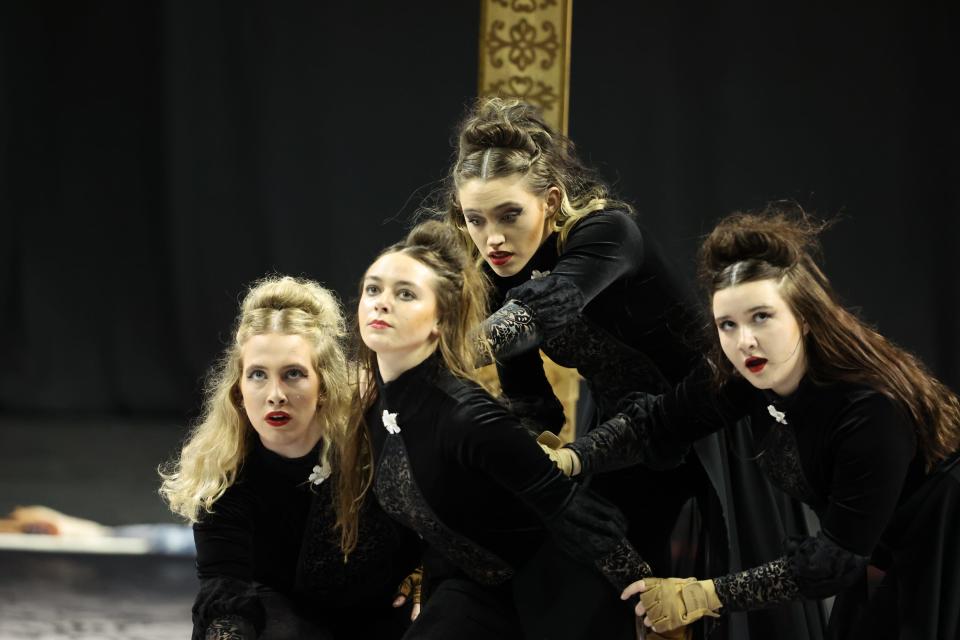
(272, 532)
(484, 479)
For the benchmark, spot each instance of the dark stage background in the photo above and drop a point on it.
(156, 157)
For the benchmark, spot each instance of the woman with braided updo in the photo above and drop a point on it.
(844, 421)
(575, 276)
(253, 479)
(447, 461)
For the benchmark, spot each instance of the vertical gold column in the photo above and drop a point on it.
(525, 54)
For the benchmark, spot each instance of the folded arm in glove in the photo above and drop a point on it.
(813, 567)
(533, 311)
(658, 430)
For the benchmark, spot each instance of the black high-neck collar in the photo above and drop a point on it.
(409, 393)
(544, 259)
(422, 371)
(297, 469)
(808, 399)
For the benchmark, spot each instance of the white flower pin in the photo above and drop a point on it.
(390, 422)
(779, 416)
(318, 475)
(536, 275)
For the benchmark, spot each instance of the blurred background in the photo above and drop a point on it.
(155, 157)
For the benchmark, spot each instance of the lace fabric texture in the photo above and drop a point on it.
(813, 567)
(398, 494)
(511, 330)
(623, 566)
(764, 586)
(611, 368)
(780, 462)
(230, 628)
(322, 571)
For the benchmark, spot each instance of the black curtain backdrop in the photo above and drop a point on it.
(156, 157)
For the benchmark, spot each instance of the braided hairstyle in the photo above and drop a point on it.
(506, 137)
(221, 439)
(461, 291)
(780, 243)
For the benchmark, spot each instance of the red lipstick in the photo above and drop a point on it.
(755, 364)
(379, 324)
(277, 418)
(499, 258)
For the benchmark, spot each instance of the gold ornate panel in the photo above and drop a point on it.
(525, 53)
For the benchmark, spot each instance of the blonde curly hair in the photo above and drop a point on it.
(220, 440)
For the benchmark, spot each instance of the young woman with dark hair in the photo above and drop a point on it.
(844, 420)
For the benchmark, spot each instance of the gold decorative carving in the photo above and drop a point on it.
(525, 53)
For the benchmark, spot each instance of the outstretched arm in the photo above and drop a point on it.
(658, 430)
(487, 438)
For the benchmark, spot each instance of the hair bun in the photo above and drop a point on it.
(283, 293)
(440, 238)
(506, 124)
(780, 234)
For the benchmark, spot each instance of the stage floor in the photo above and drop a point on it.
(52, 596)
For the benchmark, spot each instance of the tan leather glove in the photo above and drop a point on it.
(672, 603)
(410, 588)
(566, 460)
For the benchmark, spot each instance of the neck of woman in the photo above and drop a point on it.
(394, 364)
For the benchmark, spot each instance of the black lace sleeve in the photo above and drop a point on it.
(511, 330)
(230, 628)
(228, 608)
(553, 301)
(812, 568)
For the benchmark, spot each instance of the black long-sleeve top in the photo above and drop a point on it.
(848, 451)
(465, 475)
(607, 305)
(274, 527)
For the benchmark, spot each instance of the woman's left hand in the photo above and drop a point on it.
(410, 587)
